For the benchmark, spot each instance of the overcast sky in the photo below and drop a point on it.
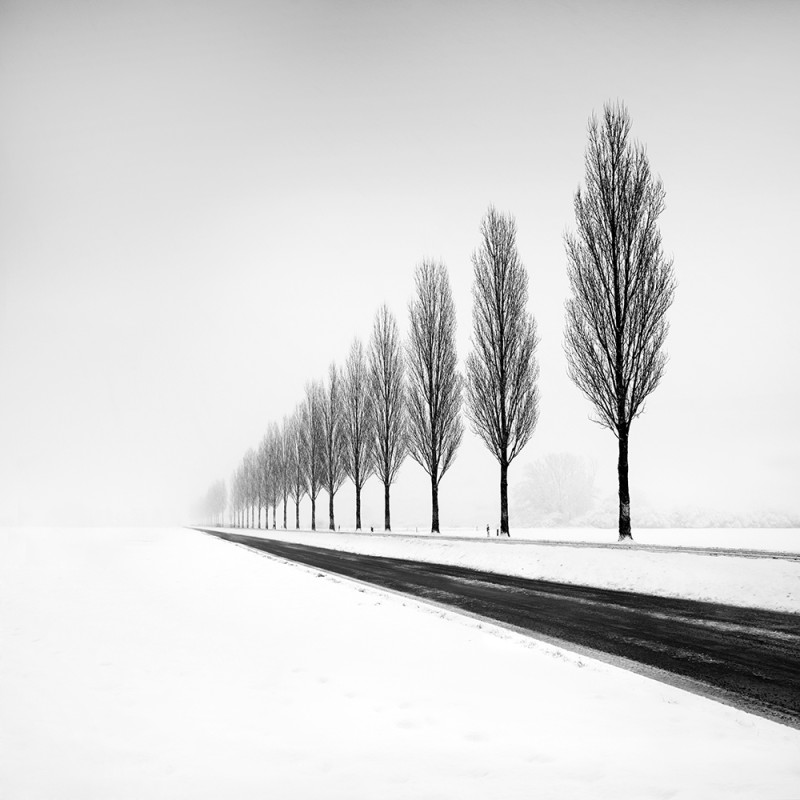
(202, 203)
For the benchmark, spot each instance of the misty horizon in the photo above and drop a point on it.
(203, 206)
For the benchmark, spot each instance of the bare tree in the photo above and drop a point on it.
(241, 481)
(236, 496)
(357, 419)
(212, 507)
(333, 439)
(312, 440)
(296, 467)
(251, 484)
(556, 489)
(273, 483)
(435, 427)
(263, 465)
(622, 285)
(387, 390)
(220, 502)
(282, 462)
(502, 393)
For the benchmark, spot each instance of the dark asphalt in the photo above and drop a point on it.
(749, 658)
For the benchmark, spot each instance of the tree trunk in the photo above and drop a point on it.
(297, 514)
(504, 497)
(434, 505)
(313, 513)
(358, 507)
(259, 515)
(624, 492)
(274, 512)
(387, 521)
(284, 512)
(331, 524)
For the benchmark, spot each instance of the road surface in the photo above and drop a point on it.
(749, 658)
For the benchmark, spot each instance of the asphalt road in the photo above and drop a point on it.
(749, 658)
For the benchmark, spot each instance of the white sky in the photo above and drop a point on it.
(201, 204)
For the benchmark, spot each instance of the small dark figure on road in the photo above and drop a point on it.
(371, 529)
(487, 530)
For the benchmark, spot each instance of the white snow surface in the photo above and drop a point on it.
(770, 583)
(169, 664)
(770, 539)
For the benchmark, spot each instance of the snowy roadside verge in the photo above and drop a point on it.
(772, 584)
(163, 664)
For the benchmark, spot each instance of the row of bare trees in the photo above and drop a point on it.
(351, 425)
(391, 400)
(213, 504)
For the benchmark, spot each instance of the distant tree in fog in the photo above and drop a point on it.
(251, 479)
(357, 422)
(387, 391)
(273, 487)
(502, 371)
(435, 428)
(557, 488)
(333, 438)
(212, 507)
(263, 478)
(296, 465)
(622, 285)
(312, 443)
(282, 462)
(220, 502)
(240, 494)
(235, 498)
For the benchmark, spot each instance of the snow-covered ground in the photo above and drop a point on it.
(754, 582)
(166, 663)
(772, 539)
(778, 540)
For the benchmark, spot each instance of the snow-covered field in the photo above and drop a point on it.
(773, 539)
(166, 664)
(755, 582)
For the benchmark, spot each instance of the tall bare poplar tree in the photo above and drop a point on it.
(435, 427)
(236, 497)
(312, 441)
(273, 472)
(387, 389)
(283, 459)
(333, 438)
(252, 484)
(296, 466)
(263, 466)
(357, 420)
(622, 285)
(502, 394)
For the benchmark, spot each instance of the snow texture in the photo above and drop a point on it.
(167, 664)
(771, 583)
